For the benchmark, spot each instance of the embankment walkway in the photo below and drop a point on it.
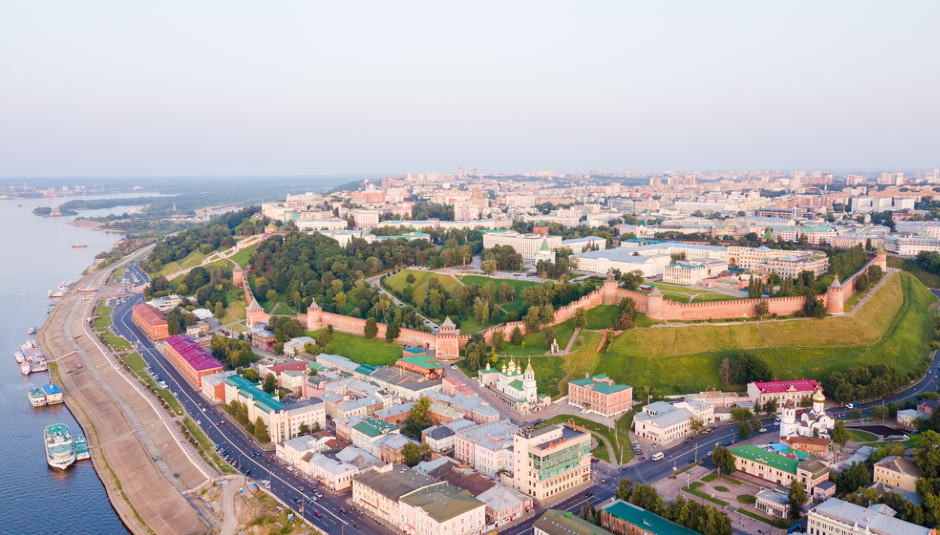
(98, 395)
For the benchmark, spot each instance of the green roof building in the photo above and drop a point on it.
(556, 522)
(600, 394)
(621, 517)
(780, 469)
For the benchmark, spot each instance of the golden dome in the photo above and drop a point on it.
(819, 397)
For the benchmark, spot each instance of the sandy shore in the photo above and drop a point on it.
(85, 223)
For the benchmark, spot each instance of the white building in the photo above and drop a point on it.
(662, 422)
(296, 345)
(442, 510)
(530, 246)
(651, 259)
(911, 246)
(836, 517)
(517, 387)
(693, 272)
(487, 448)
(813, 421)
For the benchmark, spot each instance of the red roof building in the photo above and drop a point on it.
(781, 391)
(150, 320)
(191, 358)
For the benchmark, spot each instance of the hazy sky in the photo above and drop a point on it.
(252, 88)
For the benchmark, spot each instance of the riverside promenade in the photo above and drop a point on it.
(125, 429)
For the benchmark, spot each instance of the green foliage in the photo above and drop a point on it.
(747, 368)
(797, 497)
(516, 336)
(864, 383)
(270, 383)
(723, 459)
(853, 478)
(261, 431)
(251, 374)
(418, 419)
(219, 234)
(705, 519)
(235, 353)
(744, 430)
(371, 329)
(392, 331)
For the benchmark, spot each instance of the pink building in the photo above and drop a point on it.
(600, 394)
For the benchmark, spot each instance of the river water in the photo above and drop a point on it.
(35, 498)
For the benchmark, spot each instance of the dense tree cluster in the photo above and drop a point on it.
(869, 382)
(744, 368)
(845, 262)
(218, 234)
(506, 258)
(233, 352)
(443, 212)
(930, 261)
(704, 519)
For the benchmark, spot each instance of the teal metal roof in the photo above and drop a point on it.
(645, 520)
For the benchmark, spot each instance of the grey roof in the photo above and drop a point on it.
(438, 432)
(500, 498)
(665, 420)
(494, 436)
(875, 520)
(395, 483)
(394, 410)
(557, 522)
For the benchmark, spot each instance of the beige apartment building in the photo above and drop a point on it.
(377, 491)
(530, 246)
(442, 510)
(366, 219)
(897, 472)
(693, 272)
(550, 461)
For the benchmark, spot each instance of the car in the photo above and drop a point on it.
(342, 511)
(709, 454)
(622, 468)
(309, 501)
(603, 480)
(763, 430)
(297, 500)
(589, 494)
(301, 489)
(453, 366)
(218, 424)
(317, 513)
(268, 461)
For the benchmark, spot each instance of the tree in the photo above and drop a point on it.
(272, 296)
(516, 336)
(741, 414)
(488, 266)
(763, 308)
(392, 331)
(219, 310)
(797, 497)
(498, 340)
(261, 431)
(370, 329)
(532, 320)
(580, 318)
(744, 431)
(855, 414)
(770, 407)
(304, 429)
(325, 338)
(506, 293)
(723, 459)
(411, 454)
(270, 383)
(410, 279)
(853, 478)
(418, 419)
(251, 374)
(696, 425)
(481, 310)
(927, 456)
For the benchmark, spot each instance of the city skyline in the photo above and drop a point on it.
(107, 90)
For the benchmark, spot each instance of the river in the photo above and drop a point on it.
(33, 497)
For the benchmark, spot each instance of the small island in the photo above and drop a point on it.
(46, 211)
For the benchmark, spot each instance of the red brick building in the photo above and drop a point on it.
(150, 320)
(600, 394)
(191, 358)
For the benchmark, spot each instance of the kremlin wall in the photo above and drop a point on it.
(448, 342)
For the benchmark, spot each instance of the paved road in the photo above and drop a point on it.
(284, 484)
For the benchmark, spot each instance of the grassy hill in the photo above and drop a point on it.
(929, 279)
(419, 287)
(517, 304)
(893, 328)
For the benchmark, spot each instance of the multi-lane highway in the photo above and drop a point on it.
(286, 485)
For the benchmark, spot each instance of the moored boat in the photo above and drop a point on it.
(33, 330)
(25, 368)
(60, 450)
(19, 357)
(37, 398)
(38, 365)
(81, 448)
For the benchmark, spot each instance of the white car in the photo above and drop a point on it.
(763, 430)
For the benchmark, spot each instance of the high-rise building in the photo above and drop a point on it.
(552, 460)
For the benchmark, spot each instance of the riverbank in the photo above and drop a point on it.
(85, 223)
(120, 442)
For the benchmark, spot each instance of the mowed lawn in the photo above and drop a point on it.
(375, 351)
(517, 304)
(893, 328)
(243, 256)
(419, 287)
(535, 342)
(602, 317)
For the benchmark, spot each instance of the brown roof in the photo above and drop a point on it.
(815, 441)
(463, 478)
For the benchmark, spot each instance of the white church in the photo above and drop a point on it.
(514, 385)
(814, 420)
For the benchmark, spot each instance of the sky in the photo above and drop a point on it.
(206, 88)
